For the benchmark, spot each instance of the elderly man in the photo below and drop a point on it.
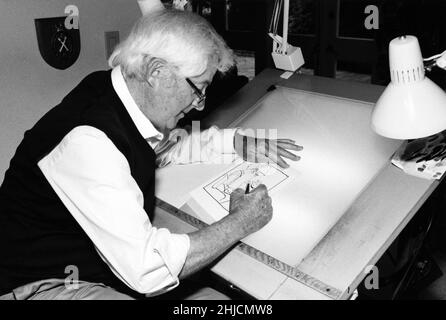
(76, 199)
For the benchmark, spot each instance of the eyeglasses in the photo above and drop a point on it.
(201, 96)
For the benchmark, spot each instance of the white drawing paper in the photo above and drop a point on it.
(241, 175)
(211, 200)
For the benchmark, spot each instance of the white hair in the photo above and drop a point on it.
(182, 39)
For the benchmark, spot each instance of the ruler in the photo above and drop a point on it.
(270, 261)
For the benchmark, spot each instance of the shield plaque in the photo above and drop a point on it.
(59, 47)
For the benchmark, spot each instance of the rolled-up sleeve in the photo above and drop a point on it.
(92, 178)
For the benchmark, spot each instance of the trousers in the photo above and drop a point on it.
(56, 289)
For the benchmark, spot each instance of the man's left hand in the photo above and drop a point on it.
(266, 150)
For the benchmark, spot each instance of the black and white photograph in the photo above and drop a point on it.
(216, 158)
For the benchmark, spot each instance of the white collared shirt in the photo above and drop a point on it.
(92, 178)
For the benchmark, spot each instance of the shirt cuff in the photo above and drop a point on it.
(173, 252)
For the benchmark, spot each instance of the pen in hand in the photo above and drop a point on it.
(247, 188)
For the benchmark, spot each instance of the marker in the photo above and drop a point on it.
(247, 188)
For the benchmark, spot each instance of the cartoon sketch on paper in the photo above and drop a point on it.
(238, 177)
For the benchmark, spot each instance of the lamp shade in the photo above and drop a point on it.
(411, 106)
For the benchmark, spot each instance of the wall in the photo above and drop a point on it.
(28, 86)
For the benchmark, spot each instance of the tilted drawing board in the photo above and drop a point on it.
(341, 156)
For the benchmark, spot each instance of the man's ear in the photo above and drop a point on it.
(155, 69)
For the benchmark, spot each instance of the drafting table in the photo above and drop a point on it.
(358, 238)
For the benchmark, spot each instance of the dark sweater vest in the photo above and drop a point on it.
(39, 237)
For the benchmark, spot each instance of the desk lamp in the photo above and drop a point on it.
(285, 56)
(411, 106)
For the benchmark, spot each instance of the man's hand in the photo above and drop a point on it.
(265, 150)
(247, 214)
(254, 209)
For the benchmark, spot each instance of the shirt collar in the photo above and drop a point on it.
(142, 123)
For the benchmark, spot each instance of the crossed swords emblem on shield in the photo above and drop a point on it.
(59, 47)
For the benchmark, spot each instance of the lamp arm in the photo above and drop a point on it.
(439, 60)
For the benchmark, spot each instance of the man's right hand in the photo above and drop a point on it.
(247, 214)
(254, 209)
